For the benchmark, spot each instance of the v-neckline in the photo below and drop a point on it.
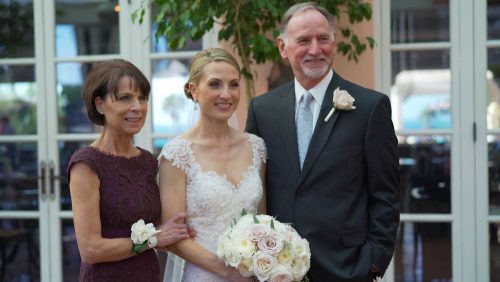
(244, 173)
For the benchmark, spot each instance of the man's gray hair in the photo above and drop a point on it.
(299, 8)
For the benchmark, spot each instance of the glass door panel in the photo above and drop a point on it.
(17, 38)
(86, 27)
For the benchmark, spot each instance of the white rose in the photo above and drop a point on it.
(140, 232)
(300, 266)
(257, 231)
(263, 263)
(244, 246)
(281, 273)
(342, 100)
(233, 258)
(272, 244)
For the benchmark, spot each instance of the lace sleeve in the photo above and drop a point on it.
(178, 152)
(259, 147)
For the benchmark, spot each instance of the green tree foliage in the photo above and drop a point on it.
(246, 24)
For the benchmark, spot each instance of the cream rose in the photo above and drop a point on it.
(263, 263)
(281, 273)
(272, 244)
(257, 231)
(342, 100)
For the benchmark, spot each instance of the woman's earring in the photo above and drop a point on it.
(195, 106)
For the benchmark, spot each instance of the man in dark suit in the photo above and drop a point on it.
(342, 191)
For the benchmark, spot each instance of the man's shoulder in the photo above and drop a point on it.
(275, 93)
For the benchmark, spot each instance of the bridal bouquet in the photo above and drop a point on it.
(260, 246)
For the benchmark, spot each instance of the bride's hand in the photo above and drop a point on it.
(171, 231)
(234, 275)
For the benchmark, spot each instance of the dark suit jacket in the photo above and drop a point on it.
(345, 201)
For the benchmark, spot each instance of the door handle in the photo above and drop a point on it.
(51, 181)
(43, 182)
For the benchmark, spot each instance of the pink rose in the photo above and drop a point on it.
(272, 244)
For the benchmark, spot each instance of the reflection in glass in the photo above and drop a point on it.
(421, 99)
(19, 245)
(70, 254)
(494, 173)
(494, 251)
(71, 110)
(160, 45)
(18, 176)
(16, 29)
(493, 19)
(425, 168)
(86, 27)
(17, 100)
(420, 21)
(66, 150)
(493, 83)
(173, 112)
(423, 252)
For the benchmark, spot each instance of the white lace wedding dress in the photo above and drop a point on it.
(212, 202)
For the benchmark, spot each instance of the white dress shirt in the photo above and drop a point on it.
(318, 93)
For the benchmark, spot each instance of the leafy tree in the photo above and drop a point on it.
(247, 24)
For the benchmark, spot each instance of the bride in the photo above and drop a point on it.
(211, 172)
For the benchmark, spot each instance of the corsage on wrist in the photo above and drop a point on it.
(143, 235)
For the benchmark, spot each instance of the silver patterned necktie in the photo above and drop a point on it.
(304, 125)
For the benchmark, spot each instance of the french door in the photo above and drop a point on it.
(440, 64)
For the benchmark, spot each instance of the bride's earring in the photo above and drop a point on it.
(195, 105)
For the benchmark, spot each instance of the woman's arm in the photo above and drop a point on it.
(173, 200)
(84, 189)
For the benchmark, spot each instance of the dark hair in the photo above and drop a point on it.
(299, 8)
(201, 59)
(103, 79)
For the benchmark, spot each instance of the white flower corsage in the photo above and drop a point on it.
(342, 100)
(142, 235)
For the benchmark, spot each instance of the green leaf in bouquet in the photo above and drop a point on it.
(243, 212)
(272, 224)
(255, 219)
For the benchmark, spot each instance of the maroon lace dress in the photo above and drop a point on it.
(128, 192)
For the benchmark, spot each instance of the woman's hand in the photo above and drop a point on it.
(234, 275)
(172, 231)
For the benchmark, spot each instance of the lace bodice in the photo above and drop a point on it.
(212, 201)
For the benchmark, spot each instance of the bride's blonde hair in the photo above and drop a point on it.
(201, 59)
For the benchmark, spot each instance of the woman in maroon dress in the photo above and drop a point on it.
(113, 183)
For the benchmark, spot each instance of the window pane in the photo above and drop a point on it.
(16, 29)
(425, 166)
(494, 173)
(160, 45)
(420, 94)
(494, 251)
(86, 27)
(18, 176)
(493, 82)
(17, 100)
(173, 112)
(70, 254)
(423, 252)
(19, 242)
(66, 150)
(493, 19)
(419, 21)
(72, 114)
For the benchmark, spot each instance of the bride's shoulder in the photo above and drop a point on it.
(255, 140)
(175, 147)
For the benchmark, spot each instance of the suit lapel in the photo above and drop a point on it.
(287, 128)
(322, 130)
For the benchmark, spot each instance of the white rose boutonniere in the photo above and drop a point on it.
(342, 100)
(143, 234)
